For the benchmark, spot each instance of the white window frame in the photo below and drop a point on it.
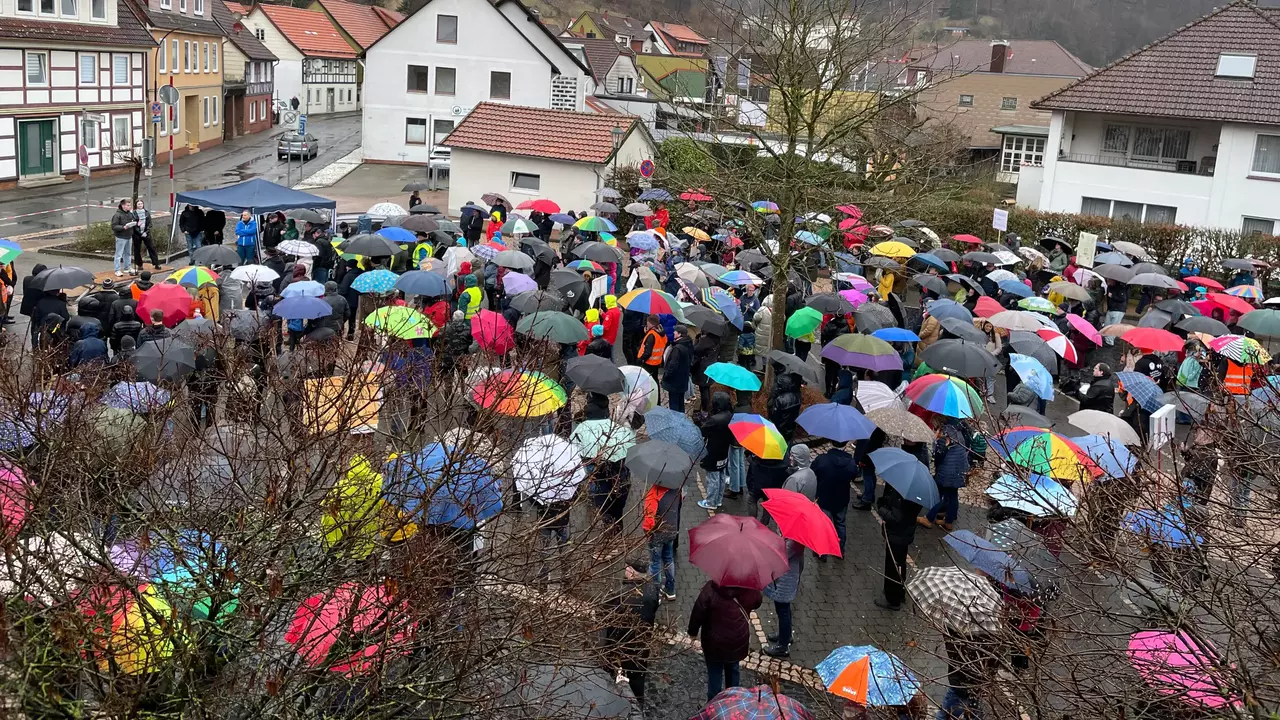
(456, 27)
(199, 7)
(186, 56)
(62, 9)
(93, 72)
(31, 10)
(204, 54)
(115, 135)
(260, 33)
(963, 103)
(1248, 219)
(516, 176)
(115, 59)
(182, 5)
(1019, 149)
(162, 59)
(174, 56)
(213, 53)
(51, 13)
(88, 134)
(26, 68)
(412, 122)
(213, 104)
(166, 4)
(94, 6)
(1253, 162)
(204, 110)
(1237, 66)
(253, 111)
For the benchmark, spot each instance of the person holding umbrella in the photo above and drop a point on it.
(951, 467)
(722, 617)
(898, 516)
(705, 351)
(719, 439)
(678, 368)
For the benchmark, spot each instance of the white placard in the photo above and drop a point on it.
(1086, 249)
(1162, 426)
(1000, 220)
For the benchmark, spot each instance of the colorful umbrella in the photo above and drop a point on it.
(1045, 452)
(650, 302)
(963, 601)
(1039, 495)
(987, 307)
(863, 351)
(1175, 664)
(447, 485)
(1060, 344)
(868, 676)
(15, 500)
(1034, 374)
(804, 321)
(857, 281)
(581, 265)
(721, 301)
(170, 298)
(1153, 340)
(194, 276)
(800, 519)
(676, 428)
(734, 376)
(839, 423)
(548, 468)
(365, 618)
(765, 206)
(945, 395)
(130, 627)
(604, 439)
(9, 251)
(1244, 350)
(737, 551)
(970, 239)
(402, 322)
(758, 436)
(375, 281)
(519, 394)
(595, 223)
(492, 332)
(741, 277)
(1250, 292)
(643, 240)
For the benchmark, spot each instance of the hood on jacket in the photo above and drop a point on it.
(721, 402)
(786, 383)
(330, 288)
(127, 313)
(38, 268)
(89, 330)
(729, 593)
(801, 455)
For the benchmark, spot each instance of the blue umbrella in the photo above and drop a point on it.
(16, 435)
(846, 262)
(655, 194)
(1040, 495)
(838, 423)
(983, 555)
(810, 238)
(398, 235)
(1013, 287)
(421, 282)
(734, 376)
(139, 397)
(906, 474)
(943, 309)
(378, 281)
(564, 218)
(931, 261)
(889, 681)
(455, 487)
(1112, 258)
(1115, 459)
(1142, 389)
(721, 300)
(1165, 526)
(1034, 374)
(643, 240)
(302, 308)
(303, 288)
(676, 428)
(896, 334)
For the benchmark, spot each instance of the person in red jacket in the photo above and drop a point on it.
(612, 319)
(592, 319)
(660, 218)
(438, 311)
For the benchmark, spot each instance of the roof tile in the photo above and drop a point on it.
(242, 38)
(1174, 76)
(1024, 57)
(361, 22)
(128, 31)
(311, 32)
(538, 132)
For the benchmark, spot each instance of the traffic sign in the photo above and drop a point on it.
(289, 119)
(646, 168)
(82, 161)
(157, 112)
(96, 117)
(302, 124)
(168, 94)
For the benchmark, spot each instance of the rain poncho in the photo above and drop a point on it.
(352, 509)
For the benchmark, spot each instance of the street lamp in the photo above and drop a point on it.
(617, 133)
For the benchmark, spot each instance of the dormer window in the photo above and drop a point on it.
(1238, 66)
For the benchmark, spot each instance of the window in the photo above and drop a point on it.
(1236, 66)
(1116, 139)
(37, 68)
(500, 85)
(89, 134)
(966, 101)
(204, 108)
(166, 4)
(447, 29)
(260, 33)
(440, 130)
(119, 69)
(1130, 211)
(162, 59)
(626, 85)
(445, 80)
(213, 51)
(1161, 144)
(415, 131)
(99, 9)
(1019, 149)
(525, 181)
(88, 69)
(253, 112)
(1258, 226)
(1009, 103)
(174, 54)
(213, 106)
(1095, 206)
(186, 56)
(308, 97)
(26, 6)
(1266, 154)
(182, 5)
(48, 7)
(204, 51)
(418, 79)
(1160, 214)
(199, 7)
(68, 8)
(120, 132)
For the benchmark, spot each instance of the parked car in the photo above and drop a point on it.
(292, 144)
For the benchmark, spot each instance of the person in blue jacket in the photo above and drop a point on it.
(950, 469)
(247, 238)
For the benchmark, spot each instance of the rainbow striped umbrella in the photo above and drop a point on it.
(650, 302)
(608, 239)
(1046, 453)
(1244, 350)
(9, 251)
(581, 265)
(195, 276)
(721, 301)
(945, 395)
(595, 223)
(765, 206)
(519, 394)
(758, 436)
(1249, 292)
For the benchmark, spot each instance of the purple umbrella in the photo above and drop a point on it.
(517, 283)
(863, 351)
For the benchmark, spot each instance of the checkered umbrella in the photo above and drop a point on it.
(757, 703)
(965, 602)
(1142, 389)
(673, 427)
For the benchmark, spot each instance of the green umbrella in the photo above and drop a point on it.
(552, 325)
(603, 439)
(116, 426)
(402, 322)
(804, 321)
(1264, 322)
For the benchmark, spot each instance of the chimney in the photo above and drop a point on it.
(999, 51)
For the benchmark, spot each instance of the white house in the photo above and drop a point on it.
(613, 66)
(529, 153)
(58, 59)
(426, 74)
(1185, 130)
(317, 64)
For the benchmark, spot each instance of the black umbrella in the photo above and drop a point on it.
(966, 282)
(246, 324)
(705, 214)
(997, 247)
(424, 209)
(830, 304)
(747, 259)
(932, 283)
(794, 364)
(1154, 280)
(215, 255)
(870, 317)
(568, 690)
(417, 186)
(194, 328)
(1146, 267)
(370, 246)
(699, 316)
(1023, 415)
(960, 358)
(883, 263)
(320, 334)
(595, 374)
(1119, 273)
(894, 303)
(598, 252)
(1178, 308)
(945, 255)
(909, 242)
(167, 359)
(605, 206)
(533, 301)
(62, 278)
(963, 330)
(1028, 343)
(539, 250)
(306, 215)
(1238, 264)
(659, 463)
(1155, 319)
(419, 224)
(1050, 241)
(978, 256)
(1207, 325)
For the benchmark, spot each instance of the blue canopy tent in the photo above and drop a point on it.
(258, 196)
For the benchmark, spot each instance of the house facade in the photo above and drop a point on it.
(248, 77)
(191, 61)
(1185, 130)
(316, 65)
(529, 153)
(360, 25)
(57, 61)
(622, 30)
(675, 39)
(613, 66)
(428, 73)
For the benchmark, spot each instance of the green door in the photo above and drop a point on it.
(36, 147)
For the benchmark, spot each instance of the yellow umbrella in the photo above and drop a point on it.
(696, 233)
(893, 249)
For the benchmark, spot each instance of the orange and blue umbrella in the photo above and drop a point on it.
(868, 676)
(195, 276)
(945, 395)
(1046, 453)
(649, 302)
(519, 394)
(758, 436)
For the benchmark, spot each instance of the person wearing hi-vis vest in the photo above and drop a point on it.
(469, 299)
(653, 346)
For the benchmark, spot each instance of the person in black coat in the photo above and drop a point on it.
(784, 404)
(611, 482)
(899, 516)
(126, 325)
(835, 470)
(721, 616)
(214, 222)
(273, 230)
(831, 369)
(678, 368)
(274, 259)
(718, 438)
(632, 334)
(89, 348)
(335, 300)
(103, 300)
(1101, 394)
(31, 296)
(705, 351)
(629, 622)
(352, 295)
(52, 303)
(598, 345)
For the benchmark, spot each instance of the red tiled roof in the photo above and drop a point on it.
(600, 107)
(310, 32)
(236, 8)
(1174, 76)
(390, 17)
(1024, 57)
(361, 22)
(537, 132)
(673, 33)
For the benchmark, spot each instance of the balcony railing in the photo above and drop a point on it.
(1204, 166)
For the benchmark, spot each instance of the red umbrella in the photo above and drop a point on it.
(698, 195)
(1153, 340)
(171, 299)
(541, 205)
(800, 519)
(1207, 282)
(1231, 302)
(987, 306)
(853, 211)
(492, 332)
(366, 614)
(737, 551)
(972, 240)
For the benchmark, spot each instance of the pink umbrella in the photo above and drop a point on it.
(737, 551)
(854, 297)
(514, 282)
(853, 211)
(1083, 327)
(492, 332)
(14, 501)
(1174, 664)
(857, 281)
(346, 612)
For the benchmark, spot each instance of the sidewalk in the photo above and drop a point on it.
(367, 184)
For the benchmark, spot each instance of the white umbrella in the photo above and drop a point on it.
(1032, 254)
(639, 390)
(455, 256)
(386, 210)
(1107, 425)
(1018, 320)
(548, 469)
(254, 274)
(873, 395)
(300, 248)
(1001, 276)
(1007, 258)
(691, 273)
(1133, 249)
